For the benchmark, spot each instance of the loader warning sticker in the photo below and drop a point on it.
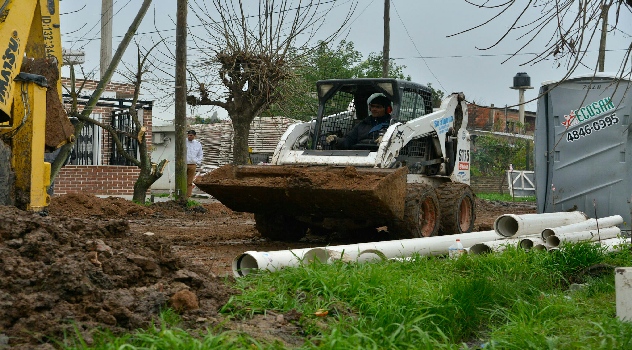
(442, 125)
(589, 128)
(588, 111)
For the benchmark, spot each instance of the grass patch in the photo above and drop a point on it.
(505, 197)
(509, 300)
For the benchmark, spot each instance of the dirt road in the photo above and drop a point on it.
(111, 263)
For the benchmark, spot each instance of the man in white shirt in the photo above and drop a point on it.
(194, 158)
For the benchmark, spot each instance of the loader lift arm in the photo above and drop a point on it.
(31, 29)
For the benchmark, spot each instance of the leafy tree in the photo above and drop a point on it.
(372, 68)
(491, 155)
(437, 96)
(324, 62)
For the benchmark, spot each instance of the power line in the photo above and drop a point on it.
(416, 49)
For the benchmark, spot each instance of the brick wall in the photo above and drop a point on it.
(489, 184)
(98, 180)
(102, 179)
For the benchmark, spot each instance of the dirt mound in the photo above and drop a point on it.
(57, 273)
(86, 205)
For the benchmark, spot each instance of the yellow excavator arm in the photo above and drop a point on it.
(29, 40)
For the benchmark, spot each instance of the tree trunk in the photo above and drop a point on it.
(149, 173)
(241, 126)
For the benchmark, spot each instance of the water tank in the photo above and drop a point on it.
(521, 80)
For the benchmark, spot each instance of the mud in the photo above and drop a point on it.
(107, 263)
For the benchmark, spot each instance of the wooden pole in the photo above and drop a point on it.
(387, 38)
(180, 117)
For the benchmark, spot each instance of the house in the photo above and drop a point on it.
(95, 166)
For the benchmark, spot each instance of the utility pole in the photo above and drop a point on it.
(180, 117)
(387, 38)
(604, 31)
(106, 35)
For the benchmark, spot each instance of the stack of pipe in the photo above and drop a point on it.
(528, 231)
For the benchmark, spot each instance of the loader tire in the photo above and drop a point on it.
(277, 227)
(421, 213)
(458, 208)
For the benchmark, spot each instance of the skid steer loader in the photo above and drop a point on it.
(413, 178)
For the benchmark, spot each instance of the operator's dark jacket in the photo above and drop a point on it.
(368, 128)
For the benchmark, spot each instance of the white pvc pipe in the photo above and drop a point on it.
(623, 293)
(427, 246)
(615, 244)
(499, 245)
(274, 260)
(512, 225)
(589, 235)
(590, 224)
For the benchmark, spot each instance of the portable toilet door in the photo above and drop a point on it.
(583, 147)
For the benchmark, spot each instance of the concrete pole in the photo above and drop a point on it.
(106, 35)
(521, 107)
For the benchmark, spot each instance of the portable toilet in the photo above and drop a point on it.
(583, 146)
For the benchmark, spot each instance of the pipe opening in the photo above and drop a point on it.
(547, 233)
(506, 226)
(526, 244)
(480, 248)
(553, 241)
(319, 254)
(244, 264)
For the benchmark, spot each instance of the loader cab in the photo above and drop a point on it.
(343, 104)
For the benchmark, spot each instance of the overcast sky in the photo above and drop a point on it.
(419, 41)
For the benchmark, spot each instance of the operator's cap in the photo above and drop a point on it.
(381, 100)
(191, 132)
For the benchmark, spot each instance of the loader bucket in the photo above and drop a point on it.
(358, 193)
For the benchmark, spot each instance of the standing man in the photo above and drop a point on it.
(194, 158)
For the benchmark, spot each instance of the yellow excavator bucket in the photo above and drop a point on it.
(334, 192)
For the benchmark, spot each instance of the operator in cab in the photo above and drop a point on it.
(368, 130)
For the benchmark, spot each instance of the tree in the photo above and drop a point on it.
(437, 96)
(65, 150)
(299, 99)
(253, 55)
(567, 28)
(149, 172)
(372, 68)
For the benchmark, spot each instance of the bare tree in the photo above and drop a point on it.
(567, 28)
(65, 150)
(149, 172)
(252, 54)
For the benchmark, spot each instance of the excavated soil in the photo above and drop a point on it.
(107, 263)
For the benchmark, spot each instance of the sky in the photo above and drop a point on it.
(420, 39)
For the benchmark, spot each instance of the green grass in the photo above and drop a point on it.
(509, 300)
(506, 197)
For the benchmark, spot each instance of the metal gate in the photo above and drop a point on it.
(122, 121)
(87, 148)
(521, 183)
